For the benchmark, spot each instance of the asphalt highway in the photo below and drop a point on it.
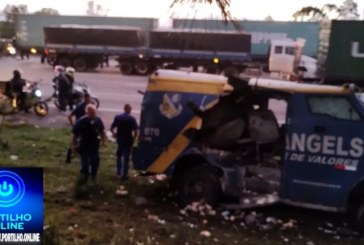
(112, 89)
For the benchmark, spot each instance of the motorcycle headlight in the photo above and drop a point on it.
(38, 93)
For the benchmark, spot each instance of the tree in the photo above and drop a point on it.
(11, 11)
(308, 13)
(223, 5)
(47, 11)
(330, 10)
(348, 10)
(269, 18)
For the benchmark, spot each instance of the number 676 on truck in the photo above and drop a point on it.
(261, 141)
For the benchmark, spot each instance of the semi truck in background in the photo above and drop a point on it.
(29, 28)
(29, 32)
(335, 49)
(141, 52)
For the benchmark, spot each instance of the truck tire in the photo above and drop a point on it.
(231, 71)
(141, 67)
(199, 184)
(360, 218)
(80, 64)
(126, 68)
(65, 62)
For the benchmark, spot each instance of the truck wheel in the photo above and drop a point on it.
(231, 71)
(199, 184)
(80, 65)
(213, 69)
(141, 67)
(126, 68)
(64, 62)
(360, 218)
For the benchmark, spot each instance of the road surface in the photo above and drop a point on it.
(112, 89)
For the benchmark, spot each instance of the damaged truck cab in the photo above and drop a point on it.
(260, 141)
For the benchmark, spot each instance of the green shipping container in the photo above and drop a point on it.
(263, 32)
(345, 60)
(29, 28)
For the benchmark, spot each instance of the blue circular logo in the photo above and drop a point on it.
(12, 189)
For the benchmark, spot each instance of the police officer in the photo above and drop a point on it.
(89, 132)
(76, 114)
(126, 130)
(80, 110)
(63, 85)
(16, 87)
(70, 74)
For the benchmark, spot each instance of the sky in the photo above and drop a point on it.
(240, 9)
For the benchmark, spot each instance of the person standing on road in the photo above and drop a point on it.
(76, 114)
(89, 131)
(126, 130)
(70, 74)
(63, 86)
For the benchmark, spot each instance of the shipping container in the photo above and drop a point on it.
(262, 32)
(345, 59)
(112, 36)
(200, 40)
(29, 28)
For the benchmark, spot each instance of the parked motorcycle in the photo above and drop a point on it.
(32, 98)
(79, 90)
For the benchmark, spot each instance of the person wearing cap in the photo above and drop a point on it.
(88, 133)
(126, 130)
(70, 75)
(63, 86)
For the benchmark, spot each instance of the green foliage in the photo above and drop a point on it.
(7, 30)
(11, 11)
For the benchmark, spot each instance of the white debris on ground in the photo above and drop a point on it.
(200, 208)
(121, 191)
(205, 233)
(156, 219)
(161, 177)
(337, 232)
(14, 157)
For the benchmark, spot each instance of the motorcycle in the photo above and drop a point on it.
(79, 90)
(32, 97)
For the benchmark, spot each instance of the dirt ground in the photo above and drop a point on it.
(147, 213)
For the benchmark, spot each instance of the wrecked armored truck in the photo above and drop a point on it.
(260, 141)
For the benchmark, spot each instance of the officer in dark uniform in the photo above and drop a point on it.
(63, 85)
(77, 113)
(126, 130)
(89, 133)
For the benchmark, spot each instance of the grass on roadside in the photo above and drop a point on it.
(102, 217)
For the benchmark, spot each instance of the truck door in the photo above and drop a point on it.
(282, 59)
(324, 146)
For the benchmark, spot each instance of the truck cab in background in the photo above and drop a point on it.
(286, 60)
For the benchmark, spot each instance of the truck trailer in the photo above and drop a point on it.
(85, 47)
(29, 27)
(141, 52)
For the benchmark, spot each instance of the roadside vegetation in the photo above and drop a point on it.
(143, 212)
